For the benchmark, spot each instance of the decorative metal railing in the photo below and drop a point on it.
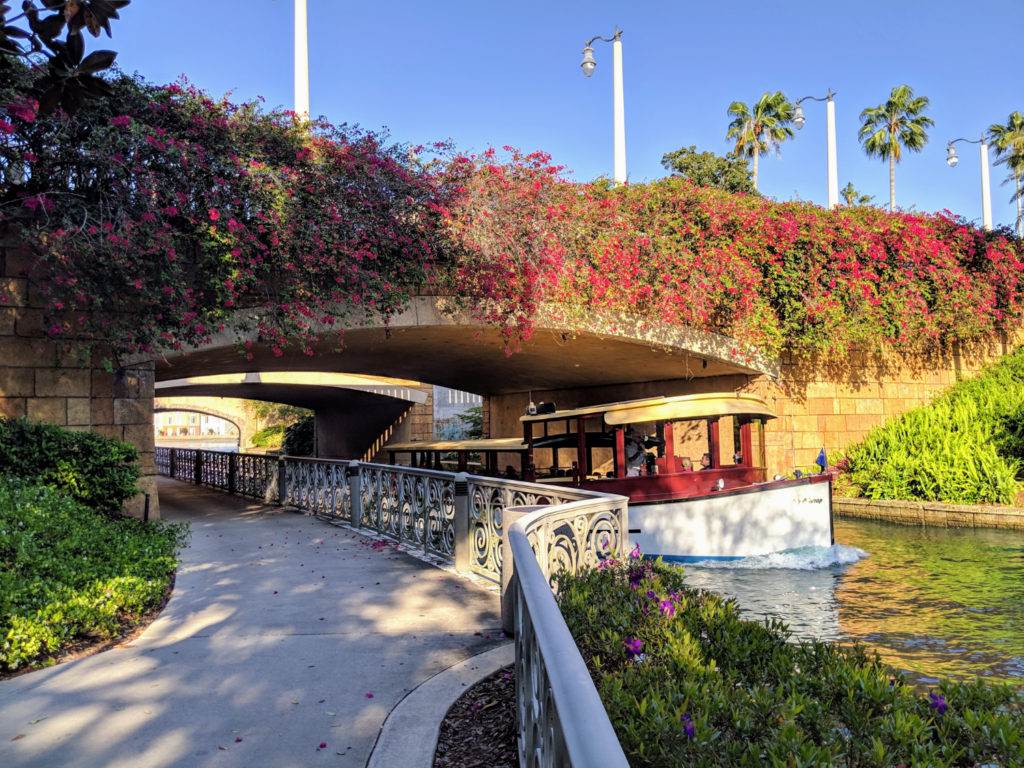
(247, 474)
(460, 518)
(562, 721)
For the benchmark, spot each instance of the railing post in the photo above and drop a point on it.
(355, 494)
(462, 533)
(173, 470)
(197, 469)
(282, 482)
(232, 470)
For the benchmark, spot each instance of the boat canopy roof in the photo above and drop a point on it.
(491, 444)
(680, 408)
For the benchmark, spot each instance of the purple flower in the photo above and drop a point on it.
(938, 702)
(650, 594)
(688, 726)
(635, 554)
(667, 607)
(633, 647)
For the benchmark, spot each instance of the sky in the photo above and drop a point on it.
(491, 73)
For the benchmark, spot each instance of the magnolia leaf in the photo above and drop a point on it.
(96, 61)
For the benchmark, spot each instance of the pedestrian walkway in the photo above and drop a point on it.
(287, 642)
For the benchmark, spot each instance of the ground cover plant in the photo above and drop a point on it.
(95, 470)
(965, 447)
(69, 573)
(687, 682)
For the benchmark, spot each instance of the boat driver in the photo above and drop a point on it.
(636, 454)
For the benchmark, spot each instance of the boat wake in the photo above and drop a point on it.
(800, 559)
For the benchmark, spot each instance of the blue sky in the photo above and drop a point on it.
(494, 72)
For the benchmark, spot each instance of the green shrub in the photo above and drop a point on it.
(70, 572)
(98, 471)
(686, 681)
(268, 437)
(299, 438)
(966, 447)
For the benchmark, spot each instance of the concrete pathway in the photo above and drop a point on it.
(283, 633)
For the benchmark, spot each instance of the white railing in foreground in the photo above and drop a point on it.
(562, 721)
(459, 518)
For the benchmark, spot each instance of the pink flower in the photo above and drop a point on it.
(323, 745)
(120, 122)
(369, 695)
(214, 214)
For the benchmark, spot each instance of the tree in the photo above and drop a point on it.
(706, 169)
(761, 128)
(891, 126)
(65, 77)
(1008, 144)
(853, 196)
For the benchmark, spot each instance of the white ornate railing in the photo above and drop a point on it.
(562, 721)
(460, 518)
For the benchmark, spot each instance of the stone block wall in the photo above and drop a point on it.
(831, 404)
(45, 383)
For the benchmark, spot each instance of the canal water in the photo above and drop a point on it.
(933, 602)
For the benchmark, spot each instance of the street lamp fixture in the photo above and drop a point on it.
(830, 125)
(986, 191)
(588, 65)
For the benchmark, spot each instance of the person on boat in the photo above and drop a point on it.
(705, 461)
(636, 454)
(510, 473)
(685, 464)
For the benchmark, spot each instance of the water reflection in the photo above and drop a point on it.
(935, 602)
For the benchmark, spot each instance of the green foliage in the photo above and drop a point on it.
(706, 169)
(853, 196)
(888, 128)
(686, 681)
(68, 572)
(276, 413)
(98, 471)
(300, 437)
(966, 447)
(762, 127)
(268, 437)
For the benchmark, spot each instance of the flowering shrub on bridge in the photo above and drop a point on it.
(772, 275)
(159, 216)
(156, 214)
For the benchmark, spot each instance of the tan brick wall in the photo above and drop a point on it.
(35, 382)
(833, 403)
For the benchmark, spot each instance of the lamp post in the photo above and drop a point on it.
(588, 66)
(830, 126)
(301, 61)
(986, 193)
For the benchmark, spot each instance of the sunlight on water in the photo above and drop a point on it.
(935, 602)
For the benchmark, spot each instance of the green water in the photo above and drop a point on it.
(934, 602)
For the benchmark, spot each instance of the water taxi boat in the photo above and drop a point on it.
(693, 467)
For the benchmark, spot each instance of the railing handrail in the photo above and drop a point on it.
(588, 732)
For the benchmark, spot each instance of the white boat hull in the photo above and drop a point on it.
(729, 525)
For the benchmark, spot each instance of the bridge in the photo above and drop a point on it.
(354, 415)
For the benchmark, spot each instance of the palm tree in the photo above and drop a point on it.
(762, 128)
(1008, 143)
(889, 127)
(854, 196)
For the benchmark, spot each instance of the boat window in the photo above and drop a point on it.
(691, 440)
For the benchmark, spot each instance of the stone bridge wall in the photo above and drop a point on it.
(38, 382)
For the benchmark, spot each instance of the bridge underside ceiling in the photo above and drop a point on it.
(316, 398)
(473, 359)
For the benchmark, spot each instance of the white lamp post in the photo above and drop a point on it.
(830, 126)
(588, 66)
(986, 192)
(301, 60)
